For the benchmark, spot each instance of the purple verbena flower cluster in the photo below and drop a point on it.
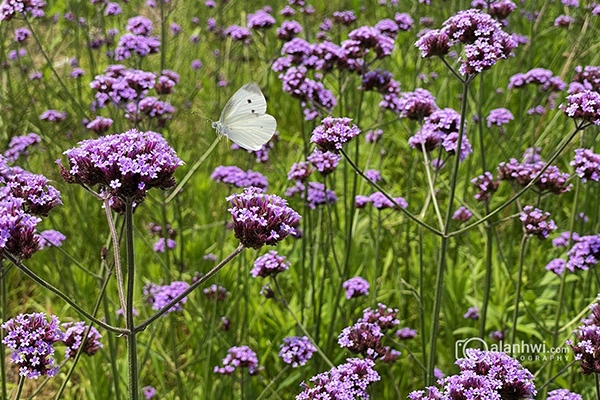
(237, 177)
(20, 145)
(260, 20)
(472, 313)
(239, 357)
(584, 106)
(50, 237)
(73, 339)
(544, 78)
(31, 337)
(10, 8)
(537, 222)
(356, 287)
(499, 117)
(296, 350)
(483, 38)
(260, 219)
(563, 394)
(125, 166)
(441, 128)
(216, 292)
(383, 316)
(483, 375)
(586, 78)
(486, 186)
(333, 133)
(587, 165)
(586, 348)
(159, 296)
(551, 180)
(269, 264)
(462, 214)
(324, 162)
(345, 382)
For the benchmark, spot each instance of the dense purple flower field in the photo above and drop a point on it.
(388, 241)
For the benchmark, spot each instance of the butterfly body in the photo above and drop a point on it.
(244, 119)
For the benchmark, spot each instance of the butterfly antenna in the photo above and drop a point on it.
(202, 116)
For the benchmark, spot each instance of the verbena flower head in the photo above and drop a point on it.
(139, 25)
(269, 264)
(486, 186)
(472, 313)
(484, 40)
(121, 85)
(31, 337)
(404, 21)
(160, 296)
(544, 78)
(510, 379)
(333, 133)
(381, 202)
(417, 105)
(318, 195)
(552, 180)
(563, 239)
(17, 229)
(356, 287)
(300, 171)
(216, 292)
(462, 214)
(125, 166)
(237, 177)
(260, 20)
(50, 237)
(499, 117)
(583, 106)
(324, 162)
(383, 316)
(563, 394)
(162, 245)
(289, 30)
(73, 339)
(148, 392)
(20, 145)
(100, 125)
(239, 357)
(238, 33)
(587, 165)
(345, 382)
(10, 8)
(586, 348)
(563, 21)
(296, 350)
(406, 333)
(53, 116)
(586, 78)
(537, 222)
(38, 196)
(260, 218)
(362, 338)
(130, 44)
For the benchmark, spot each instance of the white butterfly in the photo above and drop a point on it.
(244, 119)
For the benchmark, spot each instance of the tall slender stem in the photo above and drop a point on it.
(131, 336)
(20, 387)
(2, 318)
(439, 279)
(523, 248)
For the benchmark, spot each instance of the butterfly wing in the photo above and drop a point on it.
(250, 131)
(247, 100)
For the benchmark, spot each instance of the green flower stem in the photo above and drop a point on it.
(300, 325)
(524, 189)
(597, 386)
(116, 253)
(49, 62)
(561, 288)
(283, 371)
(522, 251)
(432, 195)
(85, 335)
(194, 168)
(189, 290)
(439, 279)
(387, 196)
(20, 387)
(76, 307)
(3, 306)
(129, 323)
